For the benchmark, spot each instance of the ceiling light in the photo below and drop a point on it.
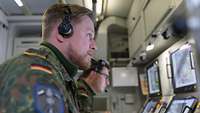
(149, 47)
(19, 3)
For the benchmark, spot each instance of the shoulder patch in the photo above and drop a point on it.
(47, 99)
(41, 68)
(29, 53)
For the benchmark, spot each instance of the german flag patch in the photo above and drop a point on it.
(41, 68)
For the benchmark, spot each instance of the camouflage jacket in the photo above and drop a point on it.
(39, 81)
(85, 97)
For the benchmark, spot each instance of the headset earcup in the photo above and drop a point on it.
(65, 29)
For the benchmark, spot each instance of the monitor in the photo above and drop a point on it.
(153, 78)
(150, 106)
(183, 69)
(182, 105)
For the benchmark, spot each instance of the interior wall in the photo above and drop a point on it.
(118, 42)
(125, 100)
(102, 35)
(3, 36)
(22, 26)
(3, 18)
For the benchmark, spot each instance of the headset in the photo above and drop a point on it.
(65, 29)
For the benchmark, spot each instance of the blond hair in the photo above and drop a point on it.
(56, 13)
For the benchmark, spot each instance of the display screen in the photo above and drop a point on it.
(183, 67)
(150, 106)
(153, 78)
(182, 105)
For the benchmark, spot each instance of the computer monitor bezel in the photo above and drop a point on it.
(151, 65)
(184, 88)
(147, 103)
(192, 107)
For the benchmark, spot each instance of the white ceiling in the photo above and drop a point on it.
(37, 7)
(118, 7)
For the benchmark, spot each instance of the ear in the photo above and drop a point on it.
(59, 37)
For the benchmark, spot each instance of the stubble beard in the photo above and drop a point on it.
(83, 62)
(85, 65)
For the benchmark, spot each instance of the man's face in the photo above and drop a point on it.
(102, 80)
(82, 45)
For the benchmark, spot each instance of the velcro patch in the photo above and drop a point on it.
(47, 99)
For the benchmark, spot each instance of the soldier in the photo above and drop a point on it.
(91, 82)
(41, 80)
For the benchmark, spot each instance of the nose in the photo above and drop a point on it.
(93, 45)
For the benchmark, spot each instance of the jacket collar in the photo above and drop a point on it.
(89, 89)
(68, 65)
